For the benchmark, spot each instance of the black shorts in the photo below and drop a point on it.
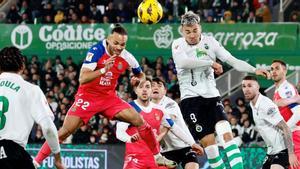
(183, 156)
(14, 156)
(281, 158)
(202, 114)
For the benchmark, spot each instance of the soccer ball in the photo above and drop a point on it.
(150, 11)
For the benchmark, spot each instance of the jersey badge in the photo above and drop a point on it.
(206, 46)
(120, 65)
(89, 56)
(198, 128)
(271, 111)
(157, 117)
(288, 94)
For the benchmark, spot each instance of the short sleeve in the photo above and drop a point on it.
(172, 108)
(92, 56)
(287, 91)
(272, 114)
(132, 62)
(40, 107)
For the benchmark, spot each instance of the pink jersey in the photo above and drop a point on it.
(286, 90)
(154, 118)
(106, 83)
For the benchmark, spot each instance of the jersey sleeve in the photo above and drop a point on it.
(219, 50)
(288, 91)
(271, 113)
(172, 108)
(133, 63)
(40, 106)
(166, 120)
(92, 57)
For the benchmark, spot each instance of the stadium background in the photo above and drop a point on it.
(55, 35)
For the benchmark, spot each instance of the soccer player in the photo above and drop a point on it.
(271, 126)
(21, 104)
(195, 57)
(173, 148)
(285, 93)
(137, 155)
(103, 65)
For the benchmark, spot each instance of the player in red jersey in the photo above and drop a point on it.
(103, 65)
(286, 97)
(137, 154)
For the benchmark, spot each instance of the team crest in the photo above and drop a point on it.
(157, 117)
(198, 128)
(206, 46)
(120, 66)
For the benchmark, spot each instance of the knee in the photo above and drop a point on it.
(223, 130)
(63, 133)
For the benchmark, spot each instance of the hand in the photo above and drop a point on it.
(58, 164)
(217, 68)
(263, 73)
(134, 81)
(109, 62)
(294, 163)
(198, 149)
(135, 137)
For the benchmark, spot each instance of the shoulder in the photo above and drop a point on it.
(169, 103)
(179, 41)
(287, 90)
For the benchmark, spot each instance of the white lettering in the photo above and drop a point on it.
(259, 35)
(42, 33)
(270, 38)
(2, 153)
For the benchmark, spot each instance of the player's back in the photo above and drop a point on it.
(17, 101)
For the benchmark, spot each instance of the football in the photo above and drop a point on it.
(150, 11)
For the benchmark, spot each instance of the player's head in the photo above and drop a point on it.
(250, 87)
(278, 70)
(144, 90)
(11, 60)
(158, 88)
(117, 40)
(190, 27)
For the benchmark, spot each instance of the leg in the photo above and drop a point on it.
(144, 129)
(276, 166)
(191, 165)
(212, 151)
(71, 124)
(233, 153)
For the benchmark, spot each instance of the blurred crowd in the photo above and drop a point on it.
(124, 11)
(59, 82)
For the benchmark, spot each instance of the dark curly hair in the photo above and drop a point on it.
(11, 59)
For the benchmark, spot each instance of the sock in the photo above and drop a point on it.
(146, 133)
(234, 155)
(214, 159)
(44, 152)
